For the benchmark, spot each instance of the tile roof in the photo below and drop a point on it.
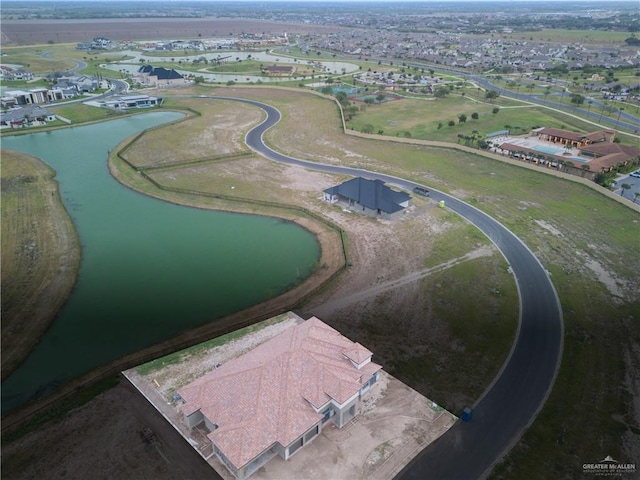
(608, 148)
(557, 132)
(266, 395)
(373, 194)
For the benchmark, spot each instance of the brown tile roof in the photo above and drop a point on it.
(599, 136)
(556, 132)
(607, 161)
(608, 148)
(264, 396)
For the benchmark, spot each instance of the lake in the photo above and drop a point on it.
(150, 269)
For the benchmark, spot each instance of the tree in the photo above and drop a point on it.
(440, 92)
(577, 99)
(462, 118)
(624, 187)
(451, 123)
(439, 125)
(342, 98)
(380, 97)
(475, 115)
(491, 95)
(636, 195)
(495, 110)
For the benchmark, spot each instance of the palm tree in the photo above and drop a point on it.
(636, 196)
(624, 187)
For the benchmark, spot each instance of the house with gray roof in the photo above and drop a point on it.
(159, 76)
(29, 116)
(371, 197)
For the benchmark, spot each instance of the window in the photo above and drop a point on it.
(327, 415)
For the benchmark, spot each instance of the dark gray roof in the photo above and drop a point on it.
(373, 194)
(31, 111)
(165, 74)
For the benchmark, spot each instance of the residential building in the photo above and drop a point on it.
(30, 116)
(132, 101)
(159, 76)
(371, 197)
(21, 97)
(278, 397)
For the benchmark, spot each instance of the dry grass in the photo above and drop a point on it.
(40, 255)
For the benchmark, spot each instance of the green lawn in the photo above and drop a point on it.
(79, 113)
(428, 119)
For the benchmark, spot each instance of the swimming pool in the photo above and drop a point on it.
(556, 151)
(551, 150)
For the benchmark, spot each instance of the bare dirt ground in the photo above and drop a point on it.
(25, 32)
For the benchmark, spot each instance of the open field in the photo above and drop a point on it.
(30, 32)
(428, 119)
(585, 240)
(598, 37)
(40, 255)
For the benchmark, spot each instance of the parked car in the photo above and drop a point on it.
(636, 174)
(421, 191)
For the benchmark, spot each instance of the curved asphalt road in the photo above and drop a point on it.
(509, 405)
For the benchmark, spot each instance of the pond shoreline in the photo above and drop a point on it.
(331, 263)
(58, 247)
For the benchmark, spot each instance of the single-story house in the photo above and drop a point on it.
(278, 397)
(159, 76)
(132, 101)
(29, 116)
(371, 197)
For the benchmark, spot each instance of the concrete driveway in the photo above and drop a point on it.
(395, 423)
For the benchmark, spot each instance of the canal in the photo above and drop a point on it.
(149, 269)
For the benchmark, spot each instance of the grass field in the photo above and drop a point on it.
(428, 119)
(40, 254)
(79, 113)
(587, 242)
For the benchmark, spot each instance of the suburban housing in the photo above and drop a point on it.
(279, 396)
(30, 116)
(371, 197)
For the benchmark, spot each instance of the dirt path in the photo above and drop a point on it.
(339, 303)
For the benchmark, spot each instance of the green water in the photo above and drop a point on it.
(150, 269)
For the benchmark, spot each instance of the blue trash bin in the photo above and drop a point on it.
(466, 414)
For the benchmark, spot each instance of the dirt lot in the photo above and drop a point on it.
(25, 32)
